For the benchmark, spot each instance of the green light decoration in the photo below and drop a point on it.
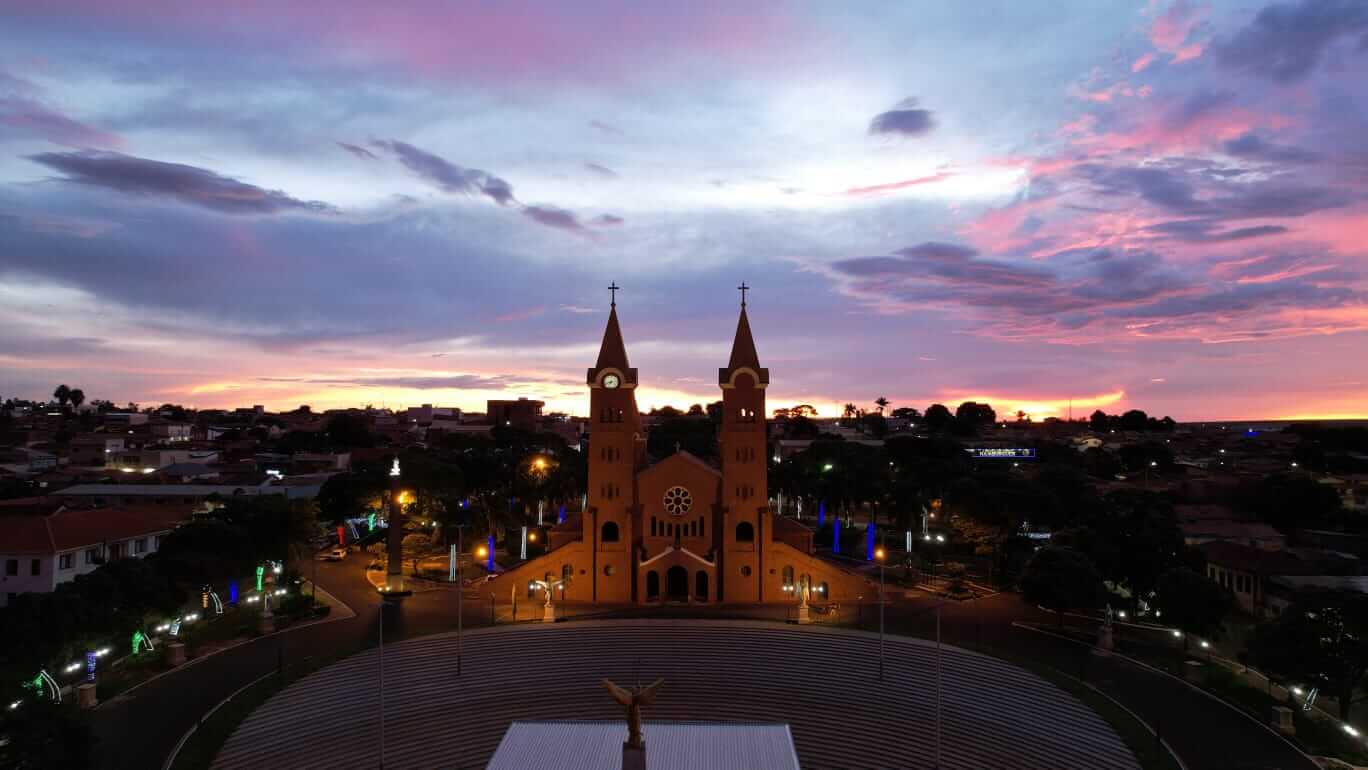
(370, 521)
(140, 639)
(261, 571)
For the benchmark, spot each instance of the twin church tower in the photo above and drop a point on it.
(679, 529)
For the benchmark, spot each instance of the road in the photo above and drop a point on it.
(138, 730)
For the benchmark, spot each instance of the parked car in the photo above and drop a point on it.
(335, 554)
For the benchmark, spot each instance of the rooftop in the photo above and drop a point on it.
(552, 745)
(69, 530)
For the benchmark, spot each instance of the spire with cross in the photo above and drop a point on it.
(743, 288)
(613, 289)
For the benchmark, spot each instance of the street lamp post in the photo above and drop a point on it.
(460, 594)
(879, 554)
(938, 682)
(381, 656)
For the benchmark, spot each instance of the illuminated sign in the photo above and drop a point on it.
(993, 453)
(90, 666)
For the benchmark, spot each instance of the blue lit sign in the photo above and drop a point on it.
(993, 453)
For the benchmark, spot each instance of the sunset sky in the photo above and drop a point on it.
(1131, 205)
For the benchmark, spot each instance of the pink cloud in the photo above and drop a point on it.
(1188, 52)
(457, 40)
(1144, 61)
(1172, 27)
(891, 186)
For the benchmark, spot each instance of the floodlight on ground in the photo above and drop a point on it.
(1177, 633)
(481, 552)
(879, 554)
(1350, 729)
(1205, 644)
(827, 467)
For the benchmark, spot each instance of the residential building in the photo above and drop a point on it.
(40, 552)
(95, 450)
(523, 414)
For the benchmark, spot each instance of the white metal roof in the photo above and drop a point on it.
(588, 745)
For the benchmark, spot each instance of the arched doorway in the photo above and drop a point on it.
(701, 586)
(652, 586)
(677, 584)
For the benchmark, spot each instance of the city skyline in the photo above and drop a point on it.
(279, 207)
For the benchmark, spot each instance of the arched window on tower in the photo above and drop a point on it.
(610, 532)
(745, 532)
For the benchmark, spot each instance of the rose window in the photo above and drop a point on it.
(678, 501)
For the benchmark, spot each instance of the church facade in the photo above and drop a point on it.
(679, 529)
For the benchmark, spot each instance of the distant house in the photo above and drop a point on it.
(523, 414)
(1207, 523)
(159, 494)
(40, 552)
(1247, 571)
(95, 450)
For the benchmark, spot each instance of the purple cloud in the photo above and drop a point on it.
(188, 184)
(436, 382)
(1285, 42)
(602, 171)
(554, 217)
(1251, 147)
(605, 128)
(358, 151)
(606, 220)
(23, 113)
(1208, 231)
(905, 119)
(448, 176)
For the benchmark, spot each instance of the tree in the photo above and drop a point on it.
(346, 431)
(693, 436)
(77, 397)
(874, 424)
(882, 403)
(1099, 421)
(849, 411)
(696, 410)
(975, 414)
(1134, 420)
(62, 394)
(905, 413)
(1320, 641)
(938, 417)
(1061, 579)
(44, 734)
(1190, 602)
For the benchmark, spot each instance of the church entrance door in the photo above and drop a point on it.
(677, 584)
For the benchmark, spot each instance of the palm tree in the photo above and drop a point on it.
(881, 402)
(77, 397)
(62, 394)
(850, 410)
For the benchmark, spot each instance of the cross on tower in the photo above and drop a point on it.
(613, 288)
(743, 288)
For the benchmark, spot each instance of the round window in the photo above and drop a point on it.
(677, 501)
(609, 570)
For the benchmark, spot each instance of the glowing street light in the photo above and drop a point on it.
(879, 554)
(827, 467)
(481, 552)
